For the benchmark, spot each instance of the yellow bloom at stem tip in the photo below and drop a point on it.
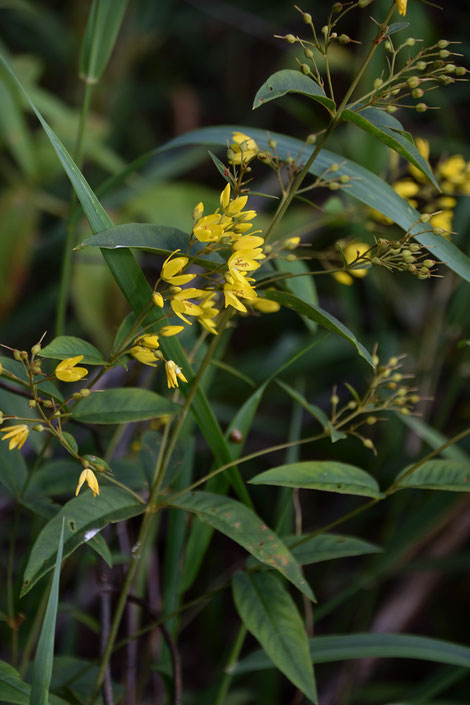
(67, 372)
(401, 4)
(89, 477)
(173, 373)
(17, 435)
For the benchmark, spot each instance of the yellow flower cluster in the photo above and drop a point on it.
(243, 149)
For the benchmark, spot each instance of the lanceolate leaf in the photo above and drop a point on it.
(289, 81)
(42, 665)
(321, 475)
(326, 547)
(243, 526)
(66, 346)
(270, 614)
(14, 690)
(452, 475)
(365, 186)
(315, 313)
(389, 130)
(100, 35)
(327, 649)
(84, 517)
(161, 239)
(122, 405)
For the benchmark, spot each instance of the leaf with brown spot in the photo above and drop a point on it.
(245, 528)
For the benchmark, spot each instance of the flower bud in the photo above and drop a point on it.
(388, 45)
(36, 349)
(417, 93)
(444, 54)
(272, 144)
(290, 39)
(48, 404)
(307, 18)
(450, 68)
(438, 231)
(337, 7)
(344, 39)
(311, 139)
(368, 443)
(428, 263)
(32, 403)
(305, 68)
(413, 82)
(291, 258)
(157, 299)
(324, 30)
(344, 178)
(39, 428)
(371, 420)
(460, 71)
(333, 186)
(308, 53)
(392, 108)
(377, 83)
(77, 396)
(410, 42)
(23, 355)
(425, 217)
(442, 43)
(421, 108)
(334, 399)
(364, 3)
(421, 65)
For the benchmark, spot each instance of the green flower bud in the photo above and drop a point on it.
(272, 144)
(428, 263)
(305, 69)
(333, 186)
(344, 178)
(334, 399)
(364, 3)
(442, 43)
(421, 108)
(417, 93)
(36, 349)
(291, 258)
(368, 443)
(438, 231)
(311, 139)
(32, 403)
(337, 7)
(344, 39)
(414, 247)
(410, 42)
(460, 71)
(450, 68)
(39, 428)
(444, 54)
(413, 82)
(334, 167)
(392, 108)
(308, 53)
(421, 65)
(324, 29)
(388, 45)
(371, 420)
(307, 18)
(290, 39)
(377, 83)
(425, 217)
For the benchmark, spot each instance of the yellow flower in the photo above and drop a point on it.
(168, 331)
(401, 6)
(248, 242)
(67, 372)
(211, 227)
(453, 169)
(89, 477)
(183, 307)
(170, 270)
(144, 355)
(209, 311)
(442, 220)
(198, 210)
(157, 299)
(238, 286)
(352, 252)
(243, 149)
(291, 243)
(173, 373)
(406, 188)
(17, 435)
(265, 305)
(147, 341)
(225, 197)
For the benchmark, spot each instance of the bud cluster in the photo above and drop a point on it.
(403, 255)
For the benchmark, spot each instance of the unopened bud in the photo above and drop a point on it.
(388, 45)
(324, 30)
(393, 361)
(414, 398)
(368, 443)
(417, 93)
(308, 53)
(413, 81)
(421, 65)
(32, 403)
(344, 39)
(375, 360)
(405, 411)
(450, 68)
(364, 3)
(377, 83)
(77, 396)
(421, 108)
(291, 258)
(428, 263)
(438, 231)
(334, 399)
(290, 39)
(272, 144)
(444, 54)
(1, 417)
(344, 178)
(267, 249)
(442, 43)
(410, 42)
(392, 108)
(39, 428)
(371, 420)
(198, 210)
(48, 404)
(352, 405)
(460, 71)
(36, 349)
(157, 299)
(333, 186)
(305, 68)
(337, 7)
(311, 139)
(24, 355)
(307, 18)
(425, 217)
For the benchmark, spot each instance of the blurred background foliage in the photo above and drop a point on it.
(182, 65)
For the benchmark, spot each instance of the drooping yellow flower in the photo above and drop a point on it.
(242, 149)
(173, 373)
(265, 305)
(168, 331)
(17, 435)
(89, 477)
(144, 355)
(237, 286)
(148, 340)
(67, 372)
(401, 6)
(182, 306)
(209, 312)
(171, 267)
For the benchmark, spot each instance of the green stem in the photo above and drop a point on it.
(10, 592)
(71, 222)
(152, 508)
(335, 120)
(231, 661)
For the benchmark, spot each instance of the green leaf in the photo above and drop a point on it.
(65, 346)
(18, 370)
(321, 475)
(161, 239)
(314, 410)
(327, 649)
(389, 130)
(100, 35)
(303, 287)
(317, 314)
(289, 81)
(451, 475)
(13, 469)
(42, 664)
(122, 405)
(269, 613)
(14, 690)
(242, 525)
(396, 27)
(433, 438)
(84, 517)
(327, 547)
(13, 125)
(365, 186)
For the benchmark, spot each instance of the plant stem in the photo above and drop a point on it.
(152, 508)
(231, 661)
(335, 120)
(10, 595)
(71, 222)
